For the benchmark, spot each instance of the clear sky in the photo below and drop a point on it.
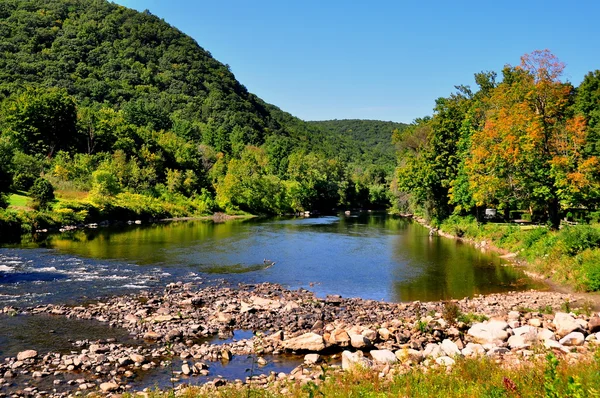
(386, 60)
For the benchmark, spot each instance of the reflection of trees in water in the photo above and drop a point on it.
(446, 268)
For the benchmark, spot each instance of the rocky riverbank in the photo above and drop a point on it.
(388, 337)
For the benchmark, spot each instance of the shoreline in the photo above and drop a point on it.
(387, 338)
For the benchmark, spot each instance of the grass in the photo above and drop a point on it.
(18, 200)
(545, 376)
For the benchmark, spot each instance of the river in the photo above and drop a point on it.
(373, 256)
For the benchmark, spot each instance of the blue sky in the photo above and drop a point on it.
(385, 60)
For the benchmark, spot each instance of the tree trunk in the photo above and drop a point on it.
(554, 213)
(507, 213)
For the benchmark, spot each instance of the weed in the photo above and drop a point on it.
(451, 312)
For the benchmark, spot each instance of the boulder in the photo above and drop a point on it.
(473, 349)
(449, 348)
(137, 358)
(359, 341)
(550, 344)
(339, 337)
(305, 342)
(27, 354)
(353, 359)
(109, 387)
(409, 354)
(384, 334)
(573, 339)
(490, 332)
(445, 361)
(311, 359)
(384, 356)
(594, 324)
(518, 342)
(432, 350)
(565, 324)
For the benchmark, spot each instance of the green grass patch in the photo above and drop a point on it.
(18, 200)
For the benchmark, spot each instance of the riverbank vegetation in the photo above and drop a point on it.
(547, 376)
(135, 117)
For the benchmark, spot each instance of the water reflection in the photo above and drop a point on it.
(371, 256)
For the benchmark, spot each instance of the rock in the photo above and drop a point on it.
(353, 359)
(550, 344)
(535, 322)
(27, 354)
(450, 348)
(173, 335)
(137, 358)
(307, 342)
(497, 351)
(529, 330)
(594, 324)
(514, 315)
(565, 324)
(162, 318)
(109, 387)
(185, 369)
(265, 304)
(445, 361)
(37, 375)
(359, 341)
(518, 342)
(409, 354)
(384, 334)
(573, 339)
(226, 355)
(224, 318)
(261, 361)
(311, 359)
(384, 356)
(545, 334)
(432, 350)
(339, 337)
(370, 334)
(473, 349)
(151, 336)
(490, 332)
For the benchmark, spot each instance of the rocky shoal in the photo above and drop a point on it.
(388, 337)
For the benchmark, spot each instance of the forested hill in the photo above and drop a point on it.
(367, 141)
(123, 108)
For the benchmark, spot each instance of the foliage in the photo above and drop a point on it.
(42, 192)
(527, 142)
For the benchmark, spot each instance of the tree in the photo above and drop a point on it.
(528, 146)
(42, 193)
(42, 121)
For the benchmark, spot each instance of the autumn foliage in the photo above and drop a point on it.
(523, 144)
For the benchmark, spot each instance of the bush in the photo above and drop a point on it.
(590, 269)
(42, 193)
(578, 238)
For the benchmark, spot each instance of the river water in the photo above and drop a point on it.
(372, 256)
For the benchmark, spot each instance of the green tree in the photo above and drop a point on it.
(42, 193)
(42, 121)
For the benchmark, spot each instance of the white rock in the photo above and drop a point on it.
(565, 324)
(450, 348)
(550, 344)
(573, 339)
(311, 359)
(432, 350)
(518, 342)
(445, 361)
(473, 349)
(384, 356)
(353, 359)
(308, 341)
(535, 322)
(525, 330)
(490, 332)
(359, 341)
(185, 369)
(27, 354)
(409, 354)
(514, 315)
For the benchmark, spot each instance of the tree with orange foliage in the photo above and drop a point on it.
(529, 152)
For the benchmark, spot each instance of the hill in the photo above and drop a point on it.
(120, 107)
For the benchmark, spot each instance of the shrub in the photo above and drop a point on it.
(590, 269)
(42, 193)
(576, 239)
